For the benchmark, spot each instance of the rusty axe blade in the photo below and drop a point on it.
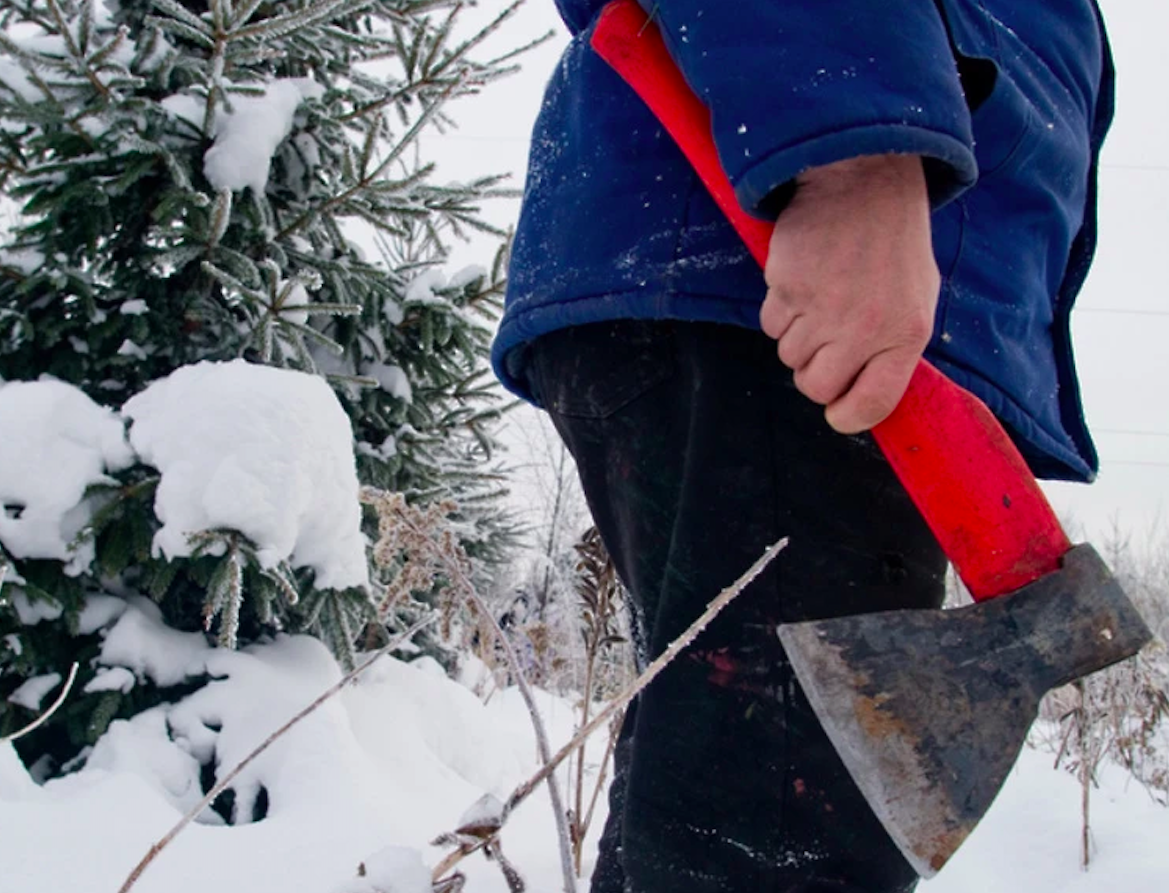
(929, 709)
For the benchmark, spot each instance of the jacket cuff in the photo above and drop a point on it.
(950, 167)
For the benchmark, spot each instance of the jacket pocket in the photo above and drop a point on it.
(1001, 115)
(1001, 127)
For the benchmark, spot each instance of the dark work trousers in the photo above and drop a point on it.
(696, 452)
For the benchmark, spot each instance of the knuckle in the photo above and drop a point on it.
(920, 328)
(773, 316)
(815, 386)
(788, 353)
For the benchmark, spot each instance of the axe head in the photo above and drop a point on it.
(929, 709)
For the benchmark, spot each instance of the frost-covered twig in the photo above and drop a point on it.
(224, 782)
(586, 822)
(44, 717)
(651, 672)
(452, 560)
(566, 861)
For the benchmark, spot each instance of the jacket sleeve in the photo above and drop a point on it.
(793, 84)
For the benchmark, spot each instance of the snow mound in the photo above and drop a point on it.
(358, 789)
(391, 870)
(54, 443)
(363, 781)
(267, 452)
(15, 782)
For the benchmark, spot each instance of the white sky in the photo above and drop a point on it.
(1121, 327)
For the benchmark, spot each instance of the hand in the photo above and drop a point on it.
(852, 285)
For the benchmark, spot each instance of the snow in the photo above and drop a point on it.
(99, 611)
(423, 288)
(31, 613)
(486, 812)
(140, 642)
(391, 870)
(247, 136)
(392, 761)
(467, 275)
(139, 748)
(33, 691)
(1030, 840)
(25, 260)
(112, 679)
(13, 76)
(310, 151)
(387, 450)
(185, 107)
(267, 452)
(392, 311)
(357, 790)
(130, 349)
(392, 379)
(292, 309)
(56, 442)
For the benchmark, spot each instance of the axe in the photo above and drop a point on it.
(927, 709)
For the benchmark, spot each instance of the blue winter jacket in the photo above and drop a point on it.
(615, 225)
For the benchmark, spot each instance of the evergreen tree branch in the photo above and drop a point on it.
(366, 181)
(226, 781)
(180, 28)
(243, 14)
(75, 49)
(123, 240)
(30, 63)
(281, 25)
(184, 15)
(461, 51)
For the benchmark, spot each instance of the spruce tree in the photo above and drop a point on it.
(196, 181)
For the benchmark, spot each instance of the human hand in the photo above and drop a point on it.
(852, 285)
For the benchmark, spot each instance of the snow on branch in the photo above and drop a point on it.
(44, 717)
(266, 452)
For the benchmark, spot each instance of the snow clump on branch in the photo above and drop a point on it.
(54, 443)
(267, 452)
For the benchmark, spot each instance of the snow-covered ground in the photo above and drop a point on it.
(397, 759)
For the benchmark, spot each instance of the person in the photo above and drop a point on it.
(930, 168)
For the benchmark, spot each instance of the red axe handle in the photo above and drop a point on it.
(966, 477)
